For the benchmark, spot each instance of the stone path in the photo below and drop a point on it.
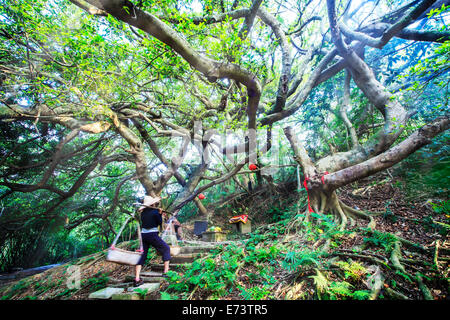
(125, 290)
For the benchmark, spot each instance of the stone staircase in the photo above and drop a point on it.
(125, 289)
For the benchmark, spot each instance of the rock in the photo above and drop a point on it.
(113, 281)
(121, 285)
(105, 293)
(151, 274)
(196, 249)
(183, 258)
(146, 279)
(125, 296)
(172, 266)
(134, 293)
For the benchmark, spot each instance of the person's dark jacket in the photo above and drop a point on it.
(150, 218)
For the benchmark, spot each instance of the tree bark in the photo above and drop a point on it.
(343, 111)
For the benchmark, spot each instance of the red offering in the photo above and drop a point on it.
(201, 196)
(252, 166)
(242, 218)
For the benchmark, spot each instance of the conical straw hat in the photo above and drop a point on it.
(148, 201)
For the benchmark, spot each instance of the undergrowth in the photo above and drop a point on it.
(282, 260)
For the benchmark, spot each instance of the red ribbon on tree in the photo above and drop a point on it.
(323, 182)
(305, 183)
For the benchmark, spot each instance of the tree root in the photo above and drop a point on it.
(436, 255)
(413, 245)
(326, 244)
(425, 291)
(408, 243)
(344, 214)
(395, 257)
(363, 254)
(395, 294)
(364, 257)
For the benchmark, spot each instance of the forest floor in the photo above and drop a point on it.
(362, 255)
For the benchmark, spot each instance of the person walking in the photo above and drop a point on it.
(177, 227)
(151, 219)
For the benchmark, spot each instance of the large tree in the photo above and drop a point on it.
(116, 80)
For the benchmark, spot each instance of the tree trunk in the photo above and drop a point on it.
(189, 187)
(202, 211)
(321, 187)
(325, 202)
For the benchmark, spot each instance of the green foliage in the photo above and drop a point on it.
(361, 295)
(207, 275)
(141, 292)
(97, 281)
(427, 171)
(42, 287)
(255, 293)
(65, 294)
(383, 239)
(352, 269)
(429, 68)
(388, 214)
(20, 287)
(59, 56)
(167, 296)
(282, 213)
(442, 207)
(216, 274)
(294, 260)
(336, 290)
(262, 254)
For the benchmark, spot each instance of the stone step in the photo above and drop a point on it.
(137, 293)
(185, 258)
(105, 293)
(151, 279)
(172, 266)
(123, 284)
(196, 249)
(151, 274)
(126, 296)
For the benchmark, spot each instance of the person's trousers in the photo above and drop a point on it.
(153, 239)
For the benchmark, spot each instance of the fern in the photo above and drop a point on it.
(167, 296)
(386, 240)
(295, 259)
(321, 283)
(255, 293)
(361, 295)
(352, 269)
(141, 292)
(340, 289)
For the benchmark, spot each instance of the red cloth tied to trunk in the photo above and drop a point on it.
(322, 177)
(242, 218)
(305, 184)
